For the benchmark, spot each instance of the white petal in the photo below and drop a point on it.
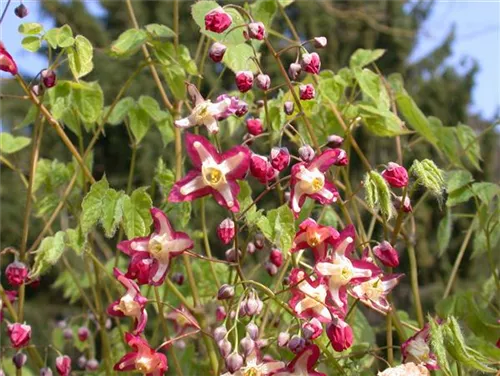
(185, 122)
(225, 191)
(231, 163)
(192, 185)
(211, 124)
(203, 153)
(304, 304)
(271, 367)
(297, 194)
(326, 194)
(219, 108)
(159, 273)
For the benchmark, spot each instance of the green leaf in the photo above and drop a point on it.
(240, 58)
(80, 57)
(128, 43)
(29, 118)
(438, 345)
(112, 211)
(11, 144)
(179, 213)
(159, 31)
(264, 11)
(381, 123)
(166, 128)
(92, 205)
(459, 196)
(88, 99)
(139, 123)
(372, 86)
(457, 179)
(164, 177)
(470, 144)
(48, 253)
(485, 191)
(60, 37)
(330, 89)
(50, 175)
(444, 232)
(428, 175)
(362, 57)
(184, 57)
(31, 43)
(60, 98)
(279, 227)
(175, 77)
(136, 216)
(120, 111)
(151, 106)
(447, 140)
(75, 240)
(165, 52)
(30, 28)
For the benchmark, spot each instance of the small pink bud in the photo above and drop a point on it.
(294, 70)
(386, 254)
(216, 52)
(225, 347)
(407, 208)
(296, 344)
(260, 103)
(231, 255)
(247, 345)
(311, 63)
(256, 30)
(259, 240)
(306, 153)
(254, 126)
(280, 158)
(234, 362)
(178, 278)
(320, 42)
(251, 305)
(7, 63)
(220, 313)
(45, 371)
(37, 90)
(21, 11)
(340, 335)
(263, 81)
(217, 20)
(288, 107)
(81, 362)
(83, 333)
(312, 329)
(48, 78)
(251, 248)
(225, 292)
(63, 365)
(219, 333)
(242, 109)
(19, 334)
(226, 231)
(244, 81)
(68, 334)
(19, 360)
(260, 343)
(306, 92)
(271, 268)
(395, 175)
(261, 168)
(16, 273)
(92, 365)
(334, 141)
(276, 257)
(283, 339)
(252, 330)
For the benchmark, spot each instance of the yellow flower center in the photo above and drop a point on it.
(252, 372)
(128, 306)
(144, 365)
(158, 248)
(212, 176)
(313, 238)
(373, 290)
(317, 184)
(181, 320)
(201, 112)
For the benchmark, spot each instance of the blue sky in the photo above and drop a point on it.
(477, 36)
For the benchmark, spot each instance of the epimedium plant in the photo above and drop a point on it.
(306, 252)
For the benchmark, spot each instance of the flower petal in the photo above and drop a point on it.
(329, 157)
(226, 195)
(161, 222)
(186, 122)
(188, 188)
(130, 247)
(199, 149)
(157, 273)
(211, 124)
(236, 162)
(126, 363)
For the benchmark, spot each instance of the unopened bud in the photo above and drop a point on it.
(306, 153)
(271, 268)
(21, 11)
(81, 362)
(387, 255)
(306, 92)
(244, 81)
(219, 333)
(225, 292)
(288, 107)
(252, 330)
(68, 334)
(251, 248)
(247, 345)
(254, 126)
(225, 347)
(259, 240)
(296, 344)
(320, 42)
(263, 81)
(83, 333)
(294, 70)
(48, 78)
(256, 30)
(220, 313)
(217, 51)
(19, 360)
(37, 90)
(311, 63)
(226, 231)
(231, 255)
(276, 257)
(16, 273)
(280, 158)
(283, 339)
(178, 278)
(92, 365)
(334, 141)
(45, 371)
(234, 362)
(312, 329)
(63, 365)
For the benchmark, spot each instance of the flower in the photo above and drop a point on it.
(182, 320)
(314, 236)
(280, 158)
(303, 363)
(226, 231)
(214, 173)
(311, 63)
(254, 126)
(244, 81)
(16, 273)
(276, 257)
(312, 329)
(416, 349)
(340, 334)
(205, 112)
(216, 52)
(256, 30)
(320, 42)
(155, 250)
(306, 92)
(63, 365)
(407, 208)
(263, 81)
(308, 180)
(306, 153)
(288, 107)
(395, 175)
(7, 63)
(386, 254)
(19, 334)
(48, 78)
(255, 366)
(143, 358)
(132, 304)
(217, 20)
(373, 292)
(261, 168)
(294, 70)
(408, 369)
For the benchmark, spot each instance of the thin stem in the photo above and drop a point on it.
(5, 11)
(414, 285)
(132, 168)
(206, 241)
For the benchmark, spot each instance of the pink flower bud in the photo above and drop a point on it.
(244, 81)
(19, 334)
(21, 11)
(283, 339)
(280, 158)
(386, 254)
(231, 254)
(306, 153)
(311, 63)
(219, 333)
(263, 81)
(334, 141)
(254, 126)
(260, 103)
(306, 92)
(288, 107)
(16, 273)
(256, 30)
(68, 334)
(251, 248)
(251, 305)
(92, 365)
(260, 343)
(271, 268)
(217, 20)
(407, 208)
(220, 313)
(37, 90)
(320, 42)
(252, 330)
(217, 51)
(247, 345)
(340, 335)
(395, 175)
(276, 257)
(241, 109)
(178, 278)
(296, 344)
(7, 63)
(225, 292)
(226, 231)
(259, 240)
(81, 362)
(225, 347)
(19, 360)
(234, 362)
(294, 70)
(48, 78)
(261, 169)
(83, 333)
(63, 365)
(312, 329)
(45, 371)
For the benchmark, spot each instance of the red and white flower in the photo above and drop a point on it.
(255, 366)
(213, 173)
(373, 292)
(132, 304)
(340, 334)
(416, 349)
(311, 63)
(303, 363)
(143, 358)
(256, 30)
(306, 92)
(308, 180)
(19, 334)
(182, 320)
(395, 175)
(314, 236)
(218, 20)
(63, 365)
(155, 251)
(7, 63)
(386, 253)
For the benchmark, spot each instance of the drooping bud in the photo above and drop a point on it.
(276, 257)
(251, 248)
(92, 365)
(261, 168)
(271, 268)
(219, 333)
(68, 334)
(312, 329)
(263, 81)
(63, 365)
(19, 360)
(231, 254)
(21, 11)
(251, 305)
(226, 231)
(377, 193)
(260, 103)
(81, 362)
(296, 344)
(254, 126)
(216, 52)
(19, 334)
(334, 141)
(220, 313)
(242, 109)
(83, 333)
(386, 254)
(247, 345)
(48, 78)
(395, 175)
(252, 330)
(260, 343)
(280, 158)
(407, 208)
(16, 273)
(217, 20)
(7, 63)
(225, 292)
(340, 335)
(225, 347)
(294, 70)
(283, 339)
(178, 278)
(306, 153)
(311, 63)
(288, 107)
(244, 81)
(259, 240)
(37, 90)
(256, 30)
(320, 42)
(234, 362)
(45, 371)
(306, 92)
